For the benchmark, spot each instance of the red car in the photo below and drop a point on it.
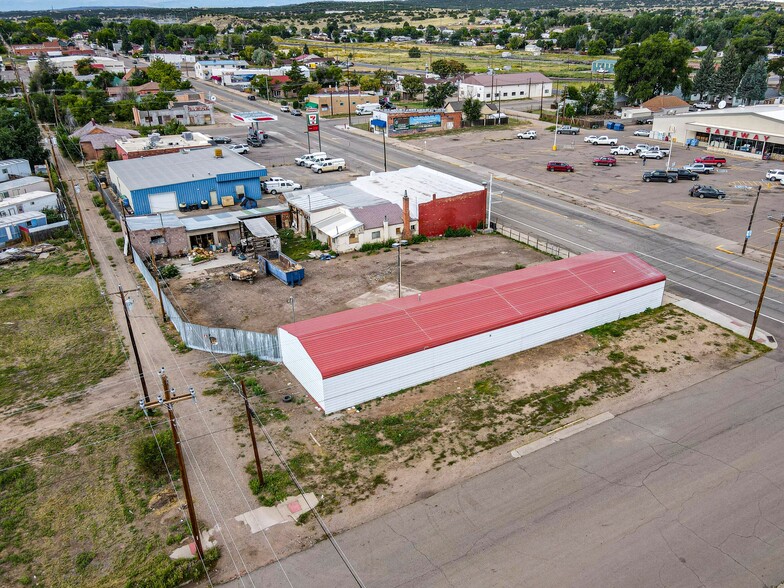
(711, 160)
(607, 160)
(559, 166)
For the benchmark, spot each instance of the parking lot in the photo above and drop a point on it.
(622, 185)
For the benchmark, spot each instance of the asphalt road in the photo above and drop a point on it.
(685, 491)
(693, 266)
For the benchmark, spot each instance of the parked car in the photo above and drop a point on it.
(559, 166)
(296, 112)
(529, 134)
(316, 159)
(607, 160)
(329, 165)
(700, 168)
(303, 159)
(284, 109)
(775, 174)
(252, 97)
(221, 140)
(604, 140)
(660, 175)
(567, 130)
(706, 192)
(275, 185)
(241, 149)
(642, 133)
(687, 174)
(702, 106)
(711, 160)
(622, 150)
(664, 151)
(641, 147)
(590, 138)
(644, 121)
(652, 154)
(254, 142)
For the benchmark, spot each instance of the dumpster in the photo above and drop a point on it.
(282, 267)
(618, 126)
(610, 125)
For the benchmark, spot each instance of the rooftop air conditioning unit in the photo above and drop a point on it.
(188, 136)
(219, 153)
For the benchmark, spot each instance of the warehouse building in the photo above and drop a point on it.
(200, 178)
(755, 132)
(513, 86)
(156, 144)
(350, 357)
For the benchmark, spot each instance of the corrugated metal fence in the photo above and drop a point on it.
(535, 242)
(219, 340)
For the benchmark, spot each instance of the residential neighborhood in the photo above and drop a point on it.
(377, 295)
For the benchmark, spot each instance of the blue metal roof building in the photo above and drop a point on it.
(162, 183)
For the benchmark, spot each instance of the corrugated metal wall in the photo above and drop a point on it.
(384, 378)
(234, 341)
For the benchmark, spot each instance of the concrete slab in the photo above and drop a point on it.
(287, 511)
(382, 293)
(188, 551)
(728, 322)
(562, 433)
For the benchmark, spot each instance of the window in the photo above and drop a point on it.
(157, 240)
(413, 228)
(239, 190)
(398, 231)
(504, 93)
(514, 94)
(375, 235)
(353, 238)
(487, 95)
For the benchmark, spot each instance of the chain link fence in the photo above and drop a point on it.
(536, 242)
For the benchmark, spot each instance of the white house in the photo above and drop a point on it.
(205, 70)
(487, 87)
(173, 58)
(14, 168)
(23, 186)
(29, 202)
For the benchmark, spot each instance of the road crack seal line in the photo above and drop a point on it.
(410, 542)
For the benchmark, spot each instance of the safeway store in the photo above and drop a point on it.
(756, 132)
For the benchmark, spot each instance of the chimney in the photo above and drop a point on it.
(386, 226)
(434, 197)
(406, 217)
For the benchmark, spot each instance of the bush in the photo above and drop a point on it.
(154, 453)
(376, 246)
(168, 272)
(98, 200)
(120, 242)
(458, 232)
(417, 239)
(91, 186)
(414, 52)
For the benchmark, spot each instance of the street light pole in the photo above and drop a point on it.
(293, 317)
(751, 220)
(767, 276)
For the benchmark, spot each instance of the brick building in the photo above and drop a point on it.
(407, 122)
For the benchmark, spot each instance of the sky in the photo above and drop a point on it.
(41, 5)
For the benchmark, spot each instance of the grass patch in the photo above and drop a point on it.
(298, 247)
(75, 511)
(611, 332)
(56, 332)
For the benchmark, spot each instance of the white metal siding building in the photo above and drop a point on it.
(350, 357)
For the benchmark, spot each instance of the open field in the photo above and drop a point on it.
(77, 510)
(407, 446)
(56, 331)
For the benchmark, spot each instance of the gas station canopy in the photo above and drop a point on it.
(253, 117)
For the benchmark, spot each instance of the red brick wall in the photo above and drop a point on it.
(465, 210)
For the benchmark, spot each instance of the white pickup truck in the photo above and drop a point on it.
(604, 140)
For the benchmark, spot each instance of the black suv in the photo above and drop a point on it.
(254, 142)
(706, 192)
(221, 140)
(687, 174)
(660, 175)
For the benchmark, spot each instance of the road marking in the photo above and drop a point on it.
(723, 250)
(755, 294)
(737, 275)
(641, 224)
(561, 433)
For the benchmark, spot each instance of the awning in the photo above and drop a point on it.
(251, 117)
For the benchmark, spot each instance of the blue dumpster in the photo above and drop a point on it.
(610, 125)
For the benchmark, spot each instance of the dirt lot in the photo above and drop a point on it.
(408, 446)
(212, 299)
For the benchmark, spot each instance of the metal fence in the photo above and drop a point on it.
(535, 242)
(107, 197)
(219, 340)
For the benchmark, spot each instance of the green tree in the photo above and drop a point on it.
(328, 75)
(751, 48)
(369, 84)
(142, 30)
(260, 83)
(703, 79)
(438, 94)
(20, 136)
(414, 53)
(655, 66)
(43, 76)
(166, 74)
(597, 47)
(727, 77)
(413, 86)
(296, 80)
(84, 67)
(446, 68)
(262, 56)
(754, 83)
(472, 109)
(307, 89)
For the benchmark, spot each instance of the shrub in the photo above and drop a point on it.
(417, 239)
(457, 232)
(168, 272)
(154, 453)
(98, 200)
(91, 186)
(120, 242)
(376, 246)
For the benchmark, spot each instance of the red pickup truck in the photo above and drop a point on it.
(711, 160)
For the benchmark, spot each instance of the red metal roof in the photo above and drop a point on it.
(356, 338)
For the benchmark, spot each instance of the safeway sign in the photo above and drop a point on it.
(313, 122)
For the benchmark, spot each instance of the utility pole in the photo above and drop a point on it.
(751, 220)
(252, 434)
(767, 277)
(157, 284)
(139, 369)
(77, 191)
(168, 401)
(348, 79)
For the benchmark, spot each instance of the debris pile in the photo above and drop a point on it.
(42, 250)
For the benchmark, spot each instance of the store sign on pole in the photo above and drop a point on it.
(313, 122)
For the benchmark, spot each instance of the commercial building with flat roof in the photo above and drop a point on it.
(154, 144)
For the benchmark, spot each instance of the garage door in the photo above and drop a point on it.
(163, 202)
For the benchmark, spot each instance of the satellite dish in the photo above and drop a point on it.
(723, 104)
(213, 98)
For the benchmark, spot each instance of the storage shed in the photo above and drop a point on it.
(350, 357)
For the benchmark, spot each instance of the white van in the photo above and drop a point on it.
(302, 159)
(367, 108)
(277, 185)
(329, 165)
